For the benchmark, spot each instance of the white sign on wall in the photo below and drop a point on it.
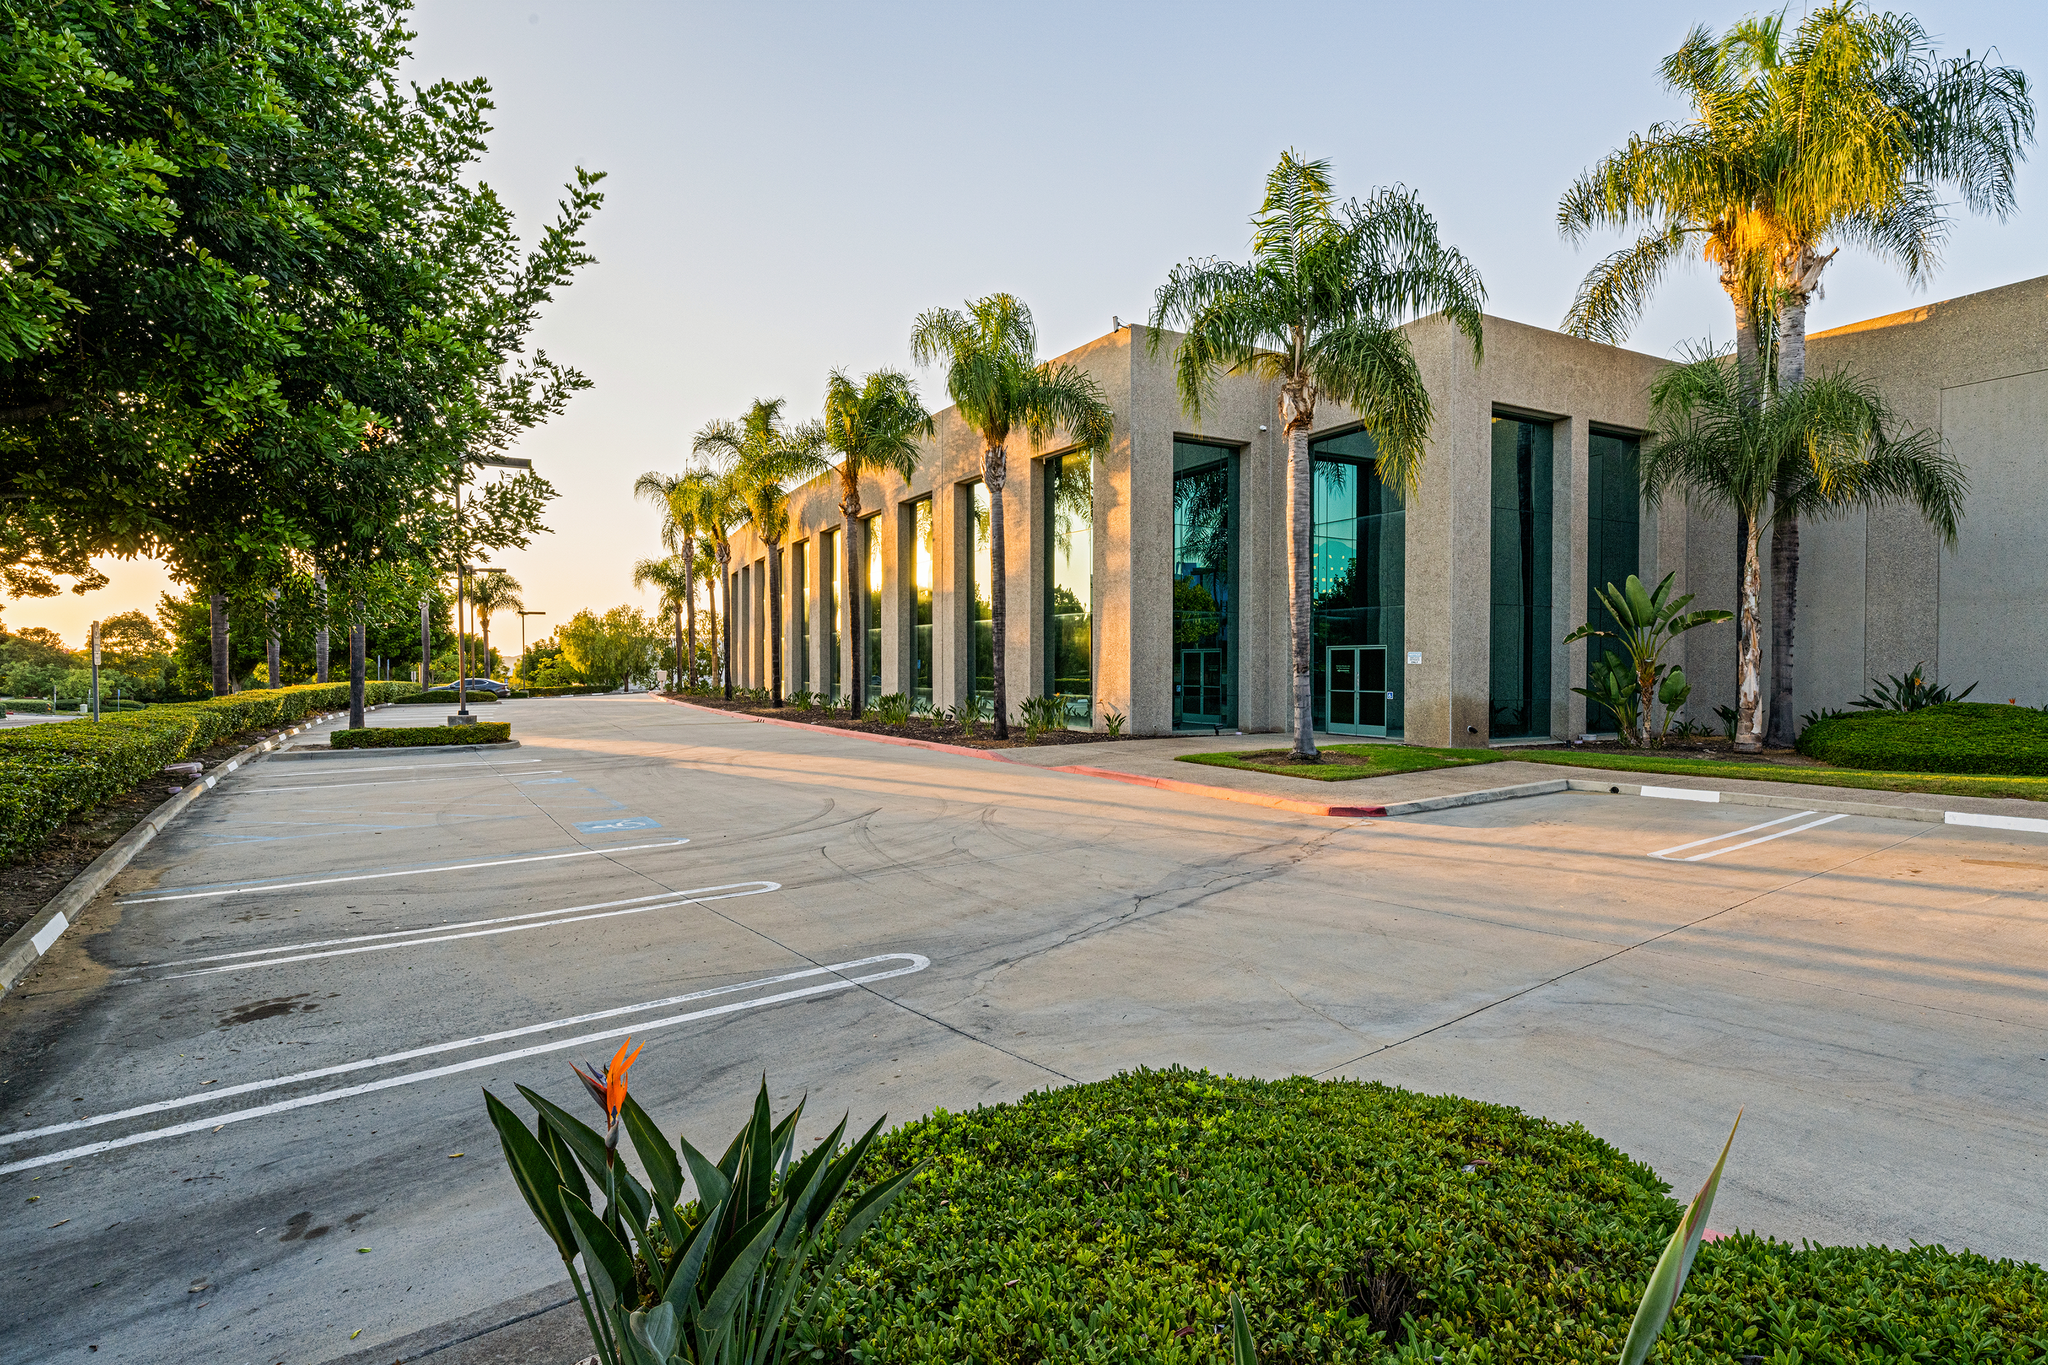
(1414, 656)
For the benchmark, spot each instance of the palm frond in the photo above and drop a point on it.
(1614, 293)
(1371, 369)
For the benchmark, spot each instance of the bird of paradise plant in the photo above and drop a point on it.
(714, 1281)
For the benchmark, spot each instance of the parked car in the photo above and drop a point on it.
(490, 685)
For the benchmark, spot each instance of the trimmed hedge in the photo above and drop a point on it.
(53, 773)
(584, 690)
(1112, 1221)
(1955, 737)
(412, 737)
(446, 696)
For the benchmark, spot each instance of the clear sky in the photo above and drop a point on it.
(791, 184)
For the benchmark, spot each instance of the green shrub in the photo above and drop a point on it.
(53, 773)
(411, 737)
(445, 696)
(577, 691)
(1112, 1222)
(1956, 737)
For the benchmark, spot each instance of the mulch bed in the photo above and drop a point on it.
(1717, 748)
(27, 886)
(919, 727)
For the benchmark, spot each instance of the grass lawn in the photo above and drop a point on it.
(1348, 762)
(2026, 788)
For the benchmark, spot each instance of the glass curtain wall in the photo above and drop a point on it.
(1614, 527)
(828, 595)
(1204, 584)
(1521, 626)
(869, 526)
(1358, 624)
(921, 603)
(981, 687)
(1070, 586)
(800, 618)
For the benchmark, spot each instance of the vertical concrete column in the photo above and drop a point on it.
(1263, 668)
(757, 623)
(1134, 578)
(1025, 491)
(889, 533)
(1571, 527)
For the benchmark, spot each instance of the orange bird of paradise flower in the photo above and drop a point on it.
(608, 1088)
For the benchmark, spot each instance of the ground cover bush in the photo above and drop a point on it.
(578, 691)
(483, 732)
(53, 773)
(446, 695)
(1347, 762)
(1956, 737)
(1112, 1222)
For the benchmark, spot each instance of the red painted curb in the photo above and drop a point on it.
(992, 755)
(1227, 793)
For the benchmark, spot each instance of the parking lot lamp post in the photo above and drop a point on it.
(523, 614)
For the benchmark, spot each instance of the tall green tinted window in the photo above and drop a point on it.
(828, 593)
(1359, 565)
(1614, 528)
(1070, 586)
(980, 606)
(869, 526)
(1204, 584)
(921, 602)
(800, 611)
(1521, 627)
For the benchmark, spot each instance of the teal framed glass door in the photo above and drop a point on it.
(1355, 694)
(1203, 694)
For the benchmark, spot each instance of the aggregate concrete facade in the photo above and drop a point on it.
(1877, 592)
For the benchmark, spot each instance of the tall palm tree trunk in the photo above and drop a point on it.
(1783, 729)
(355, 667)
(690, 610)
(320, 650)
(1748, 681)
(1295, 416)
(856, 604)
(485, 619)
(995, 471)
(775, 623)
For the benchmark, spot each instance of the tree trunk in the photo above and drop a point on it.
(273, 648)
(725, 579)
(1749, 684)
(995, 471)
(426, 644)
(217, 625)
(775, 623)
(355, 669)
(485, 621)
(1296, 413)
(320, 636)
(1784, 730)
(690, 610)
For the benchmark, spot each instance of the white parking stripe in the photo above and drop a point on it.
(394, 782)
(917, 963)
(1796, 829)
(759, 888)
(414, 767)
(1717, 838)
(253, 887)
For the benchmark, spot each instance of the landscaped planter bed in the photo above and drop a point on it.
(918, 727)
(1112, 1222)
(415, 736)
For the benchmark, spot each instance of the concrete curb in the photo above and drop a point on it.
(26, 945)
(295, 755)
(1483, 797)
(992, 755)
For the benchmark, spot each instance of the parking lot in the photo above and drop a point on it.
(242, 1118)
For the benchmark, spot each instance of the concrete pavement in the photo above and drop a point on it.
(243, 1095)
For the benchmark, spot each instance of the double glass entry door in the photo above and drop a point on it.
(1356, 693)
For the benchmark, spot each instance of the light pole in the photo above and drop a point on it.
(462, 716)
(523, 614)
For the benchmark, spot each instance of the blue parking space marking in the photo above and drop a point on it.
(608, 826)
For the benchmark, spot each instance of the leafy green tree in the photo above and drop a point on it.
(998, 386)
(1819, 448)
(1319, 311)
(875, 427)
(266, 318)
(611, 650)
(766, 458)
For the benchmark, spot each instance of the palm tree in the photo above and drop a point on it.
(709, 500)
(672, 575)
(679, 538)
(875, 428)
(704, 565)
(1818, 448)
(1319, 310)
(494, 590)
(1854, 126)
(997, 384)
(767, 457)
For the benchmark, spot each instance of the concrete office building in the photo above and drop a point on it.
(1151, 581)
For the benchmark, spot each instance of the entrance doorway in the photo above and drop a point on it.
(1355, 689)
(1202, 687)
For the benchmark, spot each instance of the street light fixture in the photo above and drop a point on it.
(462, 716)
(523, 614)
